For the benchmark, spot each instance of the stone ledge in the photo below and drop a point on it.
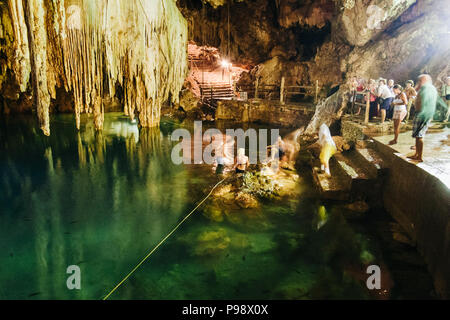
(287, 115)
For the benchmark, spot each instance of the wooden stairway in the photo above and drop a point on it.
(216, 90)
(213, 83)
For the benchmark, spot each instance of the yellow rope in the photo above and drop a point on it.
(161, 242)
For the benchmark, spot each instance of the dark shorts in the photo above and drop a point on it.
(239, 170)
(219, 168)
(420, 127)
(386, 103)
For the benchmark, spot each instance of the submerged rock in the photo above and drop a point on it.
(211, 242)
(358, 206)
(261, 186)
(214, 242)
(213, 213)
(246, 200)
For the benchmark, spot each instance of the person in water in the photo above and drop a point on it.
(281, 146)
(220, 161)
(222, 144)
(241, 161)
(328, 148)
(400, 111)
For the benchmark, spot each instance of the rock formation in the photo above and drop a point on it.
(91, 48)
(138, 48)
(327, 40)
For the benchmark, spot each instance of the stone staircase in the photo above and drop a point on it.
(355, 174)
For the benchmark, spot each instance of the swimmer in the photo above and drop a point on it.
(220, 161)
(241, 161)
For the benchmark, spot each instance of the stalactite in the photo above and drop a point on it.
(55, 22)
(37, 39)
(20, 60)
(90, 46)
(140, 45)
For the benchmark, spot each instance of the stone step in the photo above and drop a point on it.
(374, 161)
(357, 173)
(334, 187)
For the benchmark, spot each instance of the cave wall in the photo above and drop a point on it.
(326, 40)
(90, 48)
(419, 42)
(255, 33)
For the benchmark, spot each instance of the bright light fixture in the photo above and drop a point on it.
(225, 63)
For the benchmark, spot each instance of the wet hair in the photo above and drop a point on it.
(399, 87)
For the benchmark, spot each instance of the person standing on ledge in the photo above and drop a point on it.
(390, 112)
(411, 94)
(445, 93)
(425, 108)
(386, 97)
(399, 113)
(373, 111)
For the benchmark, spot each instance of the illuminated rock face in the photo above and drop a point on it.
(423, 45)
(90, 47)
(360, 21)
(323, 40)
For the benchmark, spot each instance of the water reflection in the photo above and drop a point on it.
(99, 200)
(102, 200)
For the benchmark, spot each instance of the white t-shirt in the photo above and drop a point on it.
(384, 92)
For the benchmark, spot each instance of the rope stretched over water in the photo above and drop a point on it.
(162, 241)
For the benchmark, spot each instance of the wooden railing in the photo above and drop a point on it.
(366, 94)
(280, 91)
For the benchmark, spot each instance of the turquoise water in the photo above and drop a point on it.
(103, 200)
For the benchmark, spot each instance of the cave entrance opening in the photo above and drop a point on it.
(212, 76)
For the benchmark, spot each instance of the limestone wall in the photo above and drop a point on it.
(264, 112)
